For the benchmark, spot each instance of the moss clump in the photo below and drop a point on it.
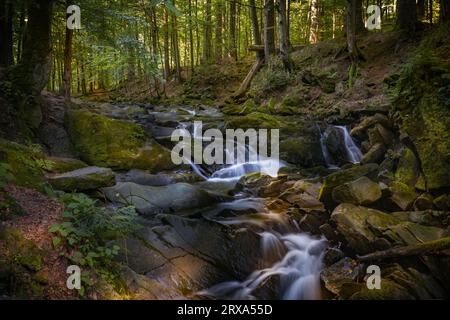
(20, 250)
(255, 120)
(61, 165)
(25, 163)
(106, 142)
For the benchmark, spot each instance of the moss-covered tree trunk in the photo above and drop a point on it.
(33, 71)
(444, 10)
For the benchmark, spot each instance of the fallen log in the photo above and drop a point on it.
(248, 79)
(425, 248)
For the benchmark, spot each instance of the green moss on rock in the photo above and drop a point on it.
(106, 142)
(25, 163)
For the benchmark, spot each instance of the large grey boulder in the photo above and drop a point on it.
(151, 199)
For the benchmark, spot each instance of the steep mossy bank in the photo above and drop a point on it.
(421, 106)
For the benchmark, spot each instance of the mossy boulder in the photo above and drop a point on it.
(361, 191)
(88, 178)
(304, 151)
(408, 169)
(367, 230)
(256, 120)
(402, 195)
(61, 165)
(343, 176)
(25, 162)
(116, 144)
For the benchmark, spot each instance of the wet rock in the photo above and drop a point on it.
(361, 191)
(311, 222)
(442, 202)
(161, 179)
(149, 199)
(333, 138)
(332, 255)
(343, 176)
(329, 232)
(408, 168)
(375, 154)
(303, 151)
(253, 182)
(274, 188)
(427, 218)
(402, 195)
(117, 144)
(340, 278)
(304, 201)
(424, 202)
(360, 130)
(363, 228)
(310, 187)
(88, 178)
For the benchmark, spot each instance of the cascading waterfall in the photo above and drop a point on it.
(295, 257)
(353, 154)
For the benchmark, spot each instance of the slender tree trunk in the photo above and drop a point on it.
(282, 32)
(269, 28)
(207, 33)
(351, 39)
(406, 14)
(67, 78)
(233, 47)
(219, 26)
(444, 10)
(359, 18)
(166, 45)
(314, 28)
(176, 47)
(191, 38)
(255, 28)
(288, 22)
(6, 33)
(420, 9)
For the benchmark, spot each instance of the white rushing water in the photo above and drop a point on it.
(295, 258)
(353, 154)
(297, 270)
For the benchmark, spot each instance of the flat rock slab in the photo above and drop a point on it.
(89, 178)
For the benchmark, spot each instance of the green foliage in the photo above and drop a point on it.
(86, 236)
(270, 79)
(6, 174)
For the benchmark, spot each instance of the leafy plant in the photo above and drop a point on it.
(85, 236)
(5, 174)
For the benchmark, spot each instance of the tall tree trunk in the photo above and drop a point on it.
(351, 39)
(233, 47)
(406, 14)
(166, 45)
(176, 48)
(444, 10)
(359, 17)
(6, 33)
(191, 39)
(21, 32)
(420, 9)
(288, 22)
(219, 26)
(67, 78)
(255, 28)
(269, 28)
(282, 32)
(207, 33)
(314, 28)
(34, 68)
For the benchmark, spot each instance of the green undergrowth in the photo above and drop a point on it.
(87, 237)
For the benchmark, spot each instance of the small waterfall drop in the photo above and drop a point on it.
(352, 152)
(297, 269)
